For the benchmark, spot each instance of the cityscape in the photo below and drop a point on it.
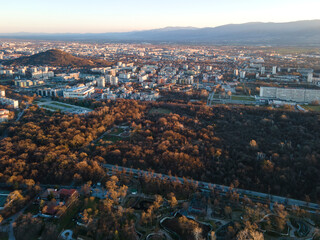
(173, 133)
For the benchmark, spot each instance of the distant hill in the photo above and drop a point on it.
(292, 33)
(302, 33)
(55, 57)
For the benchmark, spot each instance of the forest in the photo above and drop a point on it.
(275, 151)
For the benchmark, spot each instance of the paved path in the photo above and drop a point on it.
(254, 196)
(21, 113)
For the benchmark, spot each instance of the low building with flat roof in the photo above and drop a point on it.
(299, 95)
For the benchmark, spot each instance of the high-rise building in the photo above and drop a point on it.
(114, 81)
(101, 82)
(22, 72)
(310, 77)
(242, 74)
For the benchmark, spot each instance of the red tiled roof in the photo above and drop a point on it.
(67, 192)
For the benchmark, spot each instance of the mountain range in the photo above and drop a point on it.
(302, 33)
(57, 58)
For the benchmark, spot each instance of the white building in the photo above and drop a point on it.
(299, 95)
(8, 101)
(101, 82)
(27, 83)
(242, 74)
(44, 75)
(4, 115)
(310, 77)
(22, 72)
(78, 92)
(124, 75)
(143, 78)
(114, 81)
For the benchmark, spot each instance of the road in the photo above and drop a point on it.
(14, 218)
(254, 196)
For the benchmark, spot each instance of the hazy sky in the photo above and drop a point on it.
(126, 15)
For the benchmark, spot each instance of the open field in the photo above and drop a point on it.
(61, 104)
(242, 98)
(63, 107)
(312, 108)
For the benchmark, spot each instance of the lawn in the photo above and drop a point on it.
(65, 221)
(91, 203)
(50, 107)
(61, 105)
(242, 98)
(112, 138)
(117, 131)
(312, 108)
(4, 236)
(160, 111)
(33, 209)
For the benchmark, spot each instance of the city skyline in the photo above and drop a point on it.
(104, 16)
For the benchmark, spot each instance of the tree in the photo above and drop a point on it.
(14, 198)
(253, 143)
(228, 211)
(213, 235)
(172, 200)
(197, 231)
(249, 235)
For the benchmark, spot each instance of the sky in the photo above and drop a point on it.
(94, 16)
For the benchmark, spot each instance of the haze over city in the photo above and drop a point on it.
(97, 16)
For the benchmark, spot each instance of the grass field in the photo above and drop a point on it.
(242, 98)
(112, 138)
(50, 107)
